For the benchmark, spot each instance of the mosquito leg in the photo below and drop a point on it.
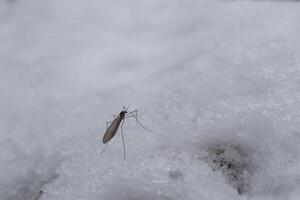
(134, 111)
(124, 149)
(134, 118)
(131, 114)
(135, 115)
(138, 122)
(104, 149)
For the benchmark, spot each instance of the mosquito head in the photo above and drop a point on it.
(126, 109)
(123, 113)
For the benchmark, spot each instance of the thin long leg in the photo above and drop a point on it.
(134, 111)
(124, 148)
(104, 149)
(136, 119)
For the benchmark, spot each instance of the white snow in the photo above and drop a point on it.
(207, 76)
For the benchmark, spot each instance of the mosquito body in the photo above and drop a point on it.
(113, 126)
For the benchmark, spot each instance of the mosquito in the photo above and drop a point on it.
(113, 126)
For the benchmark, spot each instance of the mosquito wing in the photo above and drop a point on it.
(112, 130)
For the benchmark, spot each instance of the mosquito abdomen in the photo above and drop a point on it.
(112, 130)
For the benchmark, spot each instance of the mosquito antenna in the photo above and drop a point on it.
(124, 149)
(126, 109)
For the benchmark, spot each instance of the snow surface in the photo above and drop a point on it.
(217, 82)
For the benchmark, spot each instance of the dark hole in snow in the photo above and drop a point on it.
(233, 162)
(176, 175)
